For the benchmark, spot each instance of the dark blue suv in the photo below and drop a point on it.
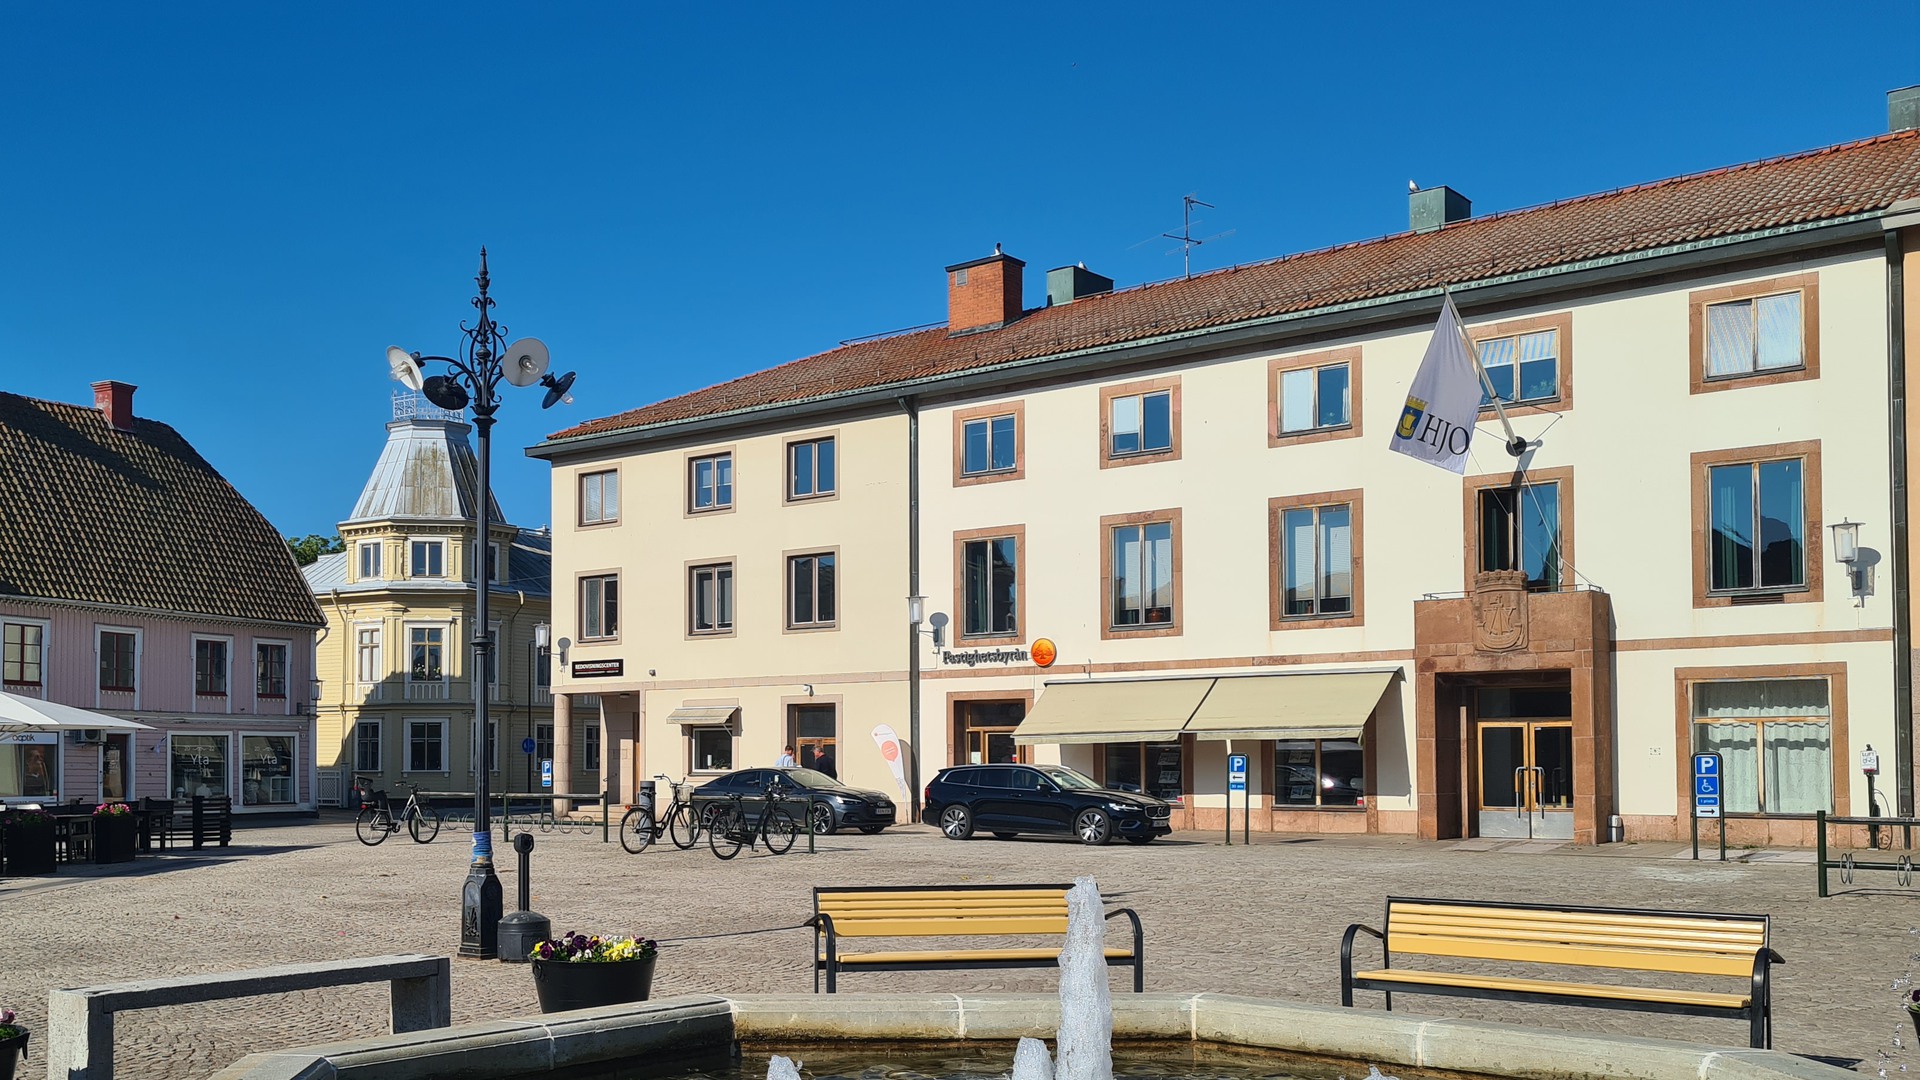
(1007, 800)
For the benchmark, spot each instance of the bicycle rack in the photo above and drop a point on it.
(1878, 828)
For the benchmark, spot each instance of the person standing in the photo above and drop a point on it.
(823, 762)
(786, 759)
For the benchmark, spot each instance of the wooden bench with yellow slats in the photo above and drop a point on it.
(943, 911)
(1629, 939)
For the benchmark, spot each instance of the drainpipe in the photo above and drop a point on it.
(313, 733)
(1902, 587)
(913, 589)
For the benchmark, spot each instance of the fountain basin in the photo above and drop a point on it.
(662, 1036)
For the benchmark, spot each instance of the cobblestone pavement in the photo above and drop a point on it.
(1264, 920)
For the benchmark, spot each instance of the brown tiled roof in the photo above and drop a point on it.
(1818, 185)
(133, 518)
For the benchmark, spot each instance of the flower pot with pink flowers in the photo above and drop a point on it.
(13, 1044)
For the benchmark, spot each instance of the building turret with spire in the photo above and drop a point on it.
(396, 665)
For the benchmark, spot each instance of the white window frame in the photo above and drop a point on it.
(987, 422)
(286, 697)
(446, 631)
(406, 748)
(423, 541)
(1312, 372)
(600, 478)
(240, 803)
(378, 768)
(45, 626)
(375, 673)
(693, 747)
(226, 696)
(1113, 424)
(361, 551)
(693, 482)
(231, 764)
(139, 658)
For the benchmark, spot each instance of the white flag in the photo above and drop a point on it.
(1436, 424)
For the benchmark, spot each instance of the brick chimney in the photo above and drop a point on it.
(116, 400)
(983, 294)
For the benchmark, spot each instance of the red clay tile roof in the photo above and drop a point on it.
(1818, 185)
(133, 518)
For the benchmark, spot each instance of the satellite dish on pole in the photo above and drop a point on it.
(404, 368)
(525, 361)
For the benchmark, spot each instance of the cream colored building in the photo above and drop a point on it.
(398, 684)
(1185, 490)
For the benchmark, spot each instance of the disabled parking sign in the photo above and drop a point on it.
(1706, 785)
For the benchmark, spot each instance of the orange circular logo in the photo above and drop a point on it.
(890, 750)
(1044, 652)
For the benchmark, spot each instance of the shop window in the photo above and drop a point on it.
(199, 765)
(117, 660)
(1318, 772)
(1775, 740)
(266, 763)
(813, 730)
(366, 747)
(28, 765)
(1151, 768)
(711, 748)
(22, 654)
(427, 746)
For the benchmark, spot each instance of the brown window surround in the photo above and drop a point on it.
(1276, 580)
(1349, 356)
(580, 599)
(1562, 321)
(707, 454)
(728, 562)
(1470, 515)
(1836, 676)
(1809, 453)
(786, 591)
(1108, 631)
(1015, 409)
(786, 467)
(960, 636)
(580, 498)
(1807, 285)
(1107, 459)
(957, 730)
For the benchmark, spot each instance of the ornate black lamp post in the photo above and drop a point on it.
(474, 378)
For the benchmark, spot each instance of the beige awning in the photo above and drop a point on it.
(1144, 710)
(703, 714)
(1307, 705)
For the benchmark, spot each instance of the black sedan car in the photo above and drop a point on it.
(832, 804)
(1007, 800)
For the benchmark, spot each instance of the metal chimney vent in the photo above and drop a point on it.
(1903, 109)
(1430, 208)
(1065, 284)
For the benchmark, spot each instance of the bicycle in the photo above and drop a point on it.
(640, 826)
(727, 829)
(377, 821)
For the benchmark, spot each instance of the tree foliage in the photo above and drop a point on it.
(308, 549)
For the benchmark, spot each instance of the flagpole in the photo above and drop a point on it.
(1516, 445)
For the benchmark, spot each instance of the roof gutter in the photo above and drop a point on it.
(177, 616)
(1860, 228)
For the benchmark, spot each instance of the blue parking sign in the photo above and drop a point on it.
(546, 772)
(1706, 764)
(1706, 785)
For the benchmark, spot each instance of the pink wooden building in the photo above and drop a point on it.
(135, 580)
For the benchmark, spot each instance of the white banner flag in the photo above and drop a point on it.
(895, 755)
(1436, 424)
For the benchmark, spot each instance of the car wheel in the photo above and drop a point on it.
(820, 819)
(956, 822)
(1139, 839)
(1093, 827)
(1005, 835)
(871, 830)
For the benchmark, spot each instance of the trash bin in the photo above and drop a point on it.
(1616, 829)
(644, 797)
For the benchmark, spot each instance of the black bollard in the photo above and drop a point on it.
(521, 930)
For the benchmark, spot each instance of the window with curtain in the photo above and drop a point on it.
(1756, 538)
(1775, 741)
(1140, 424)
(1754, 336)
(1315, 398)
(1142, 575)
(989, 586)
(1524, 367)
(1316, 552)
(1520, 530)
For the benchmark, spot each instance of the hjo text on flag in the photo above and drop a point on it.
(1436, 424)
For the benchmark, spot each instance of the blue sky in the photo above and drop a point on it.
(239, 206)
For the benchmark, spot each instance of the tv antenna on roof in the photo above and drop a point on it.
(1187, 240)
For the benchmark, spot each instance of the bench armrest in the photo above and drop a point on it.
(1139, 940)
(822, 923)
